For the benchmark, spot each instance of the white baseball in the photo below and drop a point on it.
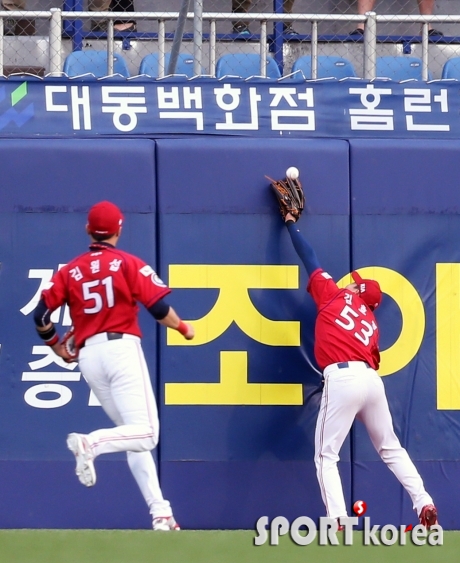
(292, 173)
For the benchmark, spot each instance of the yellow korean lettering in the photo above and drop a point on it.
(401, 352)
(233, 388)
(448, 336)
(234, 303)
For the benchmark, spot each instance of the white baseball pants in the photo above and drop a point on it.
(358, 392)
(117, 373)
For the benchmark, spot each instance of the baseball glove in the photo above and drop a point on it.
(290, 196)
(68, 342)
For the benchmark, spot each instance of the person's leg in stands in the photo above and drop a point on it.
(426, 8)
(287, 9)
(99, 6)
(241, 6)
(363, 7)
(123, 6)
(20, 26)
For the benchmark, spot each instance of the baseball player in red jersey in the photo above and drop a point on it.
(102, 288)
(347, 351)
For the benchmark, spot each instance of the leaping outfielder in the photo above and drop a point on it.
(347, 351)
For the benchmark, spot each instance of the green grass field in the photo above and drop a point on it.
(219, 546)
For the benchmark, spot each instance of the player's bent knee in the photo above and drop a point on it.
(148, 442)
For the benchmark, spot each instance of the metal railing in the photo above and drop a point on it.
(371, 19)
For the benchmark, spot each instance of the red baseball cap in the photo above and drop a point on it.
(369, 291)
(104, 218)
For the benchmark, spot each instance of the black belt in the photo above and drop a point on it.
(343, 365)
(110, 336)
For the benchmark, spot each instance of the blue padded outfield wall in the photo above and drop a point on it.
(238, 404)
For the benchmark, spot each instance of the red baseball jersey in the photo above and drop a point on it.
(102, 288)
(346, 329)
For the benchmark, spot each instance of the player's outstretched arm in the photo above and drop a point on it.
(172, 320)
(166, 316)
(301, 246)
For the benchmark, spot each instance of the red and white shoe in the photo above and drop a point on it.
(165, 524)
(79, 446)
(428, 516)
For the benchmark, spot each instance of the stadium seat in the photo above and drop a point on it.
(400, 68)
(328, 67)
(451, 68)
(245, 65)
(95, 62)
(184, 65)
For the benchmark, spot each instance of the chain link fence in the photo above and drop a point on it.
(205, 30)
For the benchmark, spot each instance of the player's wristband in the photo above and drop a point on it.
(50, 336)
(182, 328)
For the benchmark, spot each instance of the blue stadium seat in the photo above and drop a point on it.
(400, 68)
(451, 68)
(245, 65)
(184, 65)
(328, 67)
(95, 62)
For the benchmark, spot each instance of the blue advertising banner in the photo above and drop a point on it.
(349, 108)
(43, 209)
(406, 230)
(240, 401)
(238, 404)
(47, 188)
